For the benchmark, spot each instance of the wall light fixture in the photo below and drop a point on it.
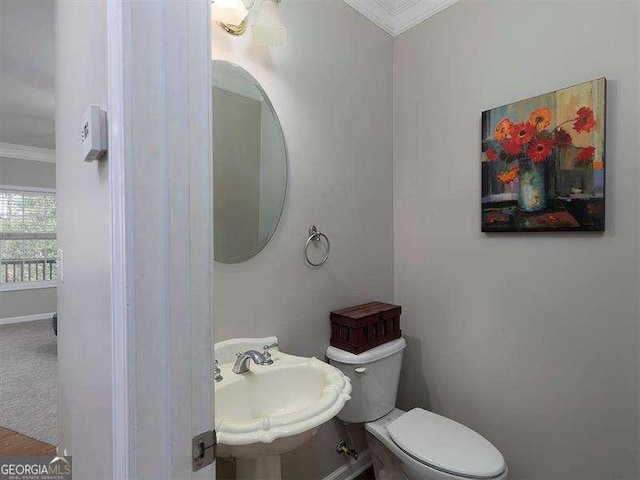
(268, 30)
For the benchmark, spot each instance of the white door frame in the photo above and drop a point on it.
(162, 234)
(122, 321)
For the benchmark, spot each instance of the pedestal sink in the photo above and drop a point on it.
(272, 409)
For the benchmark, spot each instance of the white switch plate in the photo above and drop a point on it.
(60, 263)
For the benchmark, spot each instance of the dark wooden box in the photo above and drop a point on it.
(361, 328)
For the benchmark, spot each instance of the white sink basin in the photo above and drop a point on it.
(273, 409)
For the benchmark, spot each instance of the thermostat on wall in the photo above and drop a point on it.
(94, 133)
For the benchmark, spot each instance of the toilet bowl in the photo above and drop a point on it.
(413, 445)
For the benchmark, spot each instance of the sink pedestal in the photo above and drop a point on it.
(267, 468)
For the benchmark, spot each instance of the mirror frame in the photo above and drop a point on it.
(286, 158)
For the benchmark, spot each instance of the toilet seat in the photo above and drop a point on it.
(446, 445)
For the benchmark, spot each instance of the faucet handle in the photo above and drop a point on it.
(267, 353)
(217, 376)
(267, 357)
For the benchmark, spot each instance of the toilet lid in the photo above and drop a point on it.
(446, 445)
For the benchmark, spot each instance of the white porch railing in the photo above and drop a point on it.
(27, 270)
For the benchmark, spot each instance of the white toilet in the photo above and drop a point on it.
(413, 445)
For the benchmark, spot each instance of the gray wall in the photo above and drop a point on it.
(532, 340)
(22, 303)
(332, 87)
(25, 173)
(84, 340)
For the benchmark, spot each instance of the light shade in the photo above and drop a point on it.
(231, 12)
(269, 31)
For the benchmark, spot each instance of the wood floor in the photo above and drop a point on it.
(16, 444)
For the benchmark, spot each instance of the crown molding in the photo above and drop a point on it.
(376, 12)
(396, 17)
(22, 152)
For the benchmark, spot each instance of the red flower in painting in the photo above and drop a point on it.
(510, 147)
(522, 133)
(562, 138)
(540, 148)
(586, 121)
(492, 154)
(586, 154)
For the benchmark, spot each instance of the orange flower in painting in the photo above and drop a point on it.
(540, 148)
(510, 147)
(586, 154)
(586, 121)
(522, 133)
(509, 176)
(541, 118)
(503, 129)
(492, 154)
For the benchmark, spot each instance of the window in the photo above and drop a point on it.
(27, 237)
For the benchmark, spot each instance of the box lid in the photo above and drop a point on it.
(366, 310)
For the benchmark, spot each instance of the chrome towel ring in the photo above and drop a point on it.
(316, 235)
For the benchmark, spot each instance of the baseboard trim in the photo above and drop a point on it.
(351, 470)
(26, 318)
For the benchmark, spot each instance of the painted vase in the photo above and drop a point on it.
(532, 196)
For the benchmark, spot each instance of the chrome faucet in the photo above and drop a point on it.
(242, 360)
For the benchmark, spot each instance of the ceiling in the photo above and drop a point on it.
(397, 16)
(27, 72)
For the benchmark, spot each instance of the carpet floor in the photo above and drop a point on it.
(29, 380)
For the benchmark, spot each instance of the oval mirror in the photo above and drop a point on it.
(249, 165)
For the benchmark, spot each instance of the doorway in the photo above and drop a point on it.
(28, 229)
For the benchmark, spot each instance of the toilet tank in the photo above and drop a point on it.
(374, 377)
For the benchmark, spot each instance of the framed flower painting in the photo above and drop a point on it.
(543, 162)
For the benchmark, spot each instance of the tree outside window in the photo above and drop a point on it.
(28, 242)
